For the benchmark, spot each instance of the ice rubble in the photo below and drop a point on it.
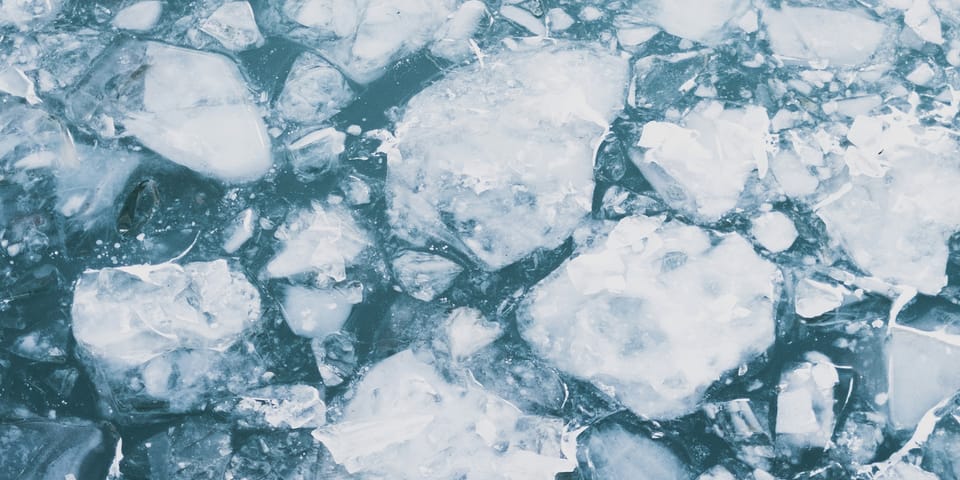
(498, 155)
(702, 166)
(205, 121)
(612, 315)
(405, 421)
(317, 313)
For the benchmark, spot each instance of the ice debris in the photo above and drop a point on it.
(406, 422)
(499, 157)
(921, 372)
(611, 314)
(814, 298)
(282, 406)
(467, 331)
(55, 449)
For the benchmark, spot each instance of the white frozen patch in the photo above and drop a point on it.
(203, 121)
(497, 159)
(805, 416)
(815, 298)
(559, 20)
(921, 371)
(314, 91)
(649, 313)
(452, 40)
(468, 331)
(842, 38)
(702, 167)
(424, 275)
(240, 231)
(126, 316)
(615, 453)
(139, 17)
(774, 230)
(698, 20)
(92, 185)
(316, 313)
(234, 26)
(525, 19)
(405, 422)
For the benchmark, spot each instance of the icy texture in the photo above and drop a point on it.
(467, 332)
(140, 16)
(701, 167)
(406, 422)
(805, 416)
(498, 156)
(286, 406)
(814, 298)
(896, 218)
(705, 26)
(921, 372)
(318, 313)
(645, 312)
(423, 275)
(841, 38)
(613, 452)
(54, 449)
(126, 316)
(234, 26)
(314, 91)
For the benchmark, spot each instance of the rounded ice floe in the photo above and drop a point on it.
(650, 314)
(126, 316)
(774, 231)
(496, 158)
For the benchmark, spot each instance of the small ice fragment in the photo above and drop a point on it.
(559, 20)
(336, 357)
(317, 313)
(14, 82)
(815, 298)
(842, 38)
(631, 37)
(774, 230)
(805, 416)
(234, 26)
(468, 331)
(525, 19)
(749, 22)
(922, 75)
(139, 17)
(282, 406)
(55, 449)
(316, 152)
(314, 91)
(424, 275)
(240, 231)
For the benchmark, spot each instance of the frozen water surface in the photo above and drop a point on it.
(479, 239)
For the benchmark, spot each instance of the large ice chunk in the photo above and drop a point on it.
(810, 34)
(895, 216)
(204, 121)
(498, 156)
(702, 166)
(650, 313)
(126, 316)
(406, 422)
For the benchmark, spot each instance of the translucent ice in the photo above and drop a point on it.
(54, 449)
(705, 26)
(809, 34)
(316, 313)
(282, 406)
(805, 416)
(234, 26)
(424, 275)
(406, 422)
(612, 452)
(467, 331)
(499, 156)
(126, 316)
(314, 91)
(921, 370)
(814, 298)
(774, 230)
(647, 314)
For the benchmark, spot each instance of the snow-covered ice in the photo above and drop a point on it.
(645, 313)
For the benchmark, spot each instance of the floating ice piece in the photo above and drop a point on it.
(705, 26)
(774, 230)
(498, 157)
(702, 167)
(814, 298)
(125, 316)
(747, 433)
(234, 26)
(559, 20)
(324, 239)
(842, 38)
(717, 472)
(317, 313)
(314, 91)
(805, 404)
(283, 406)
(906, 471)
(924, 21)
(54, 449)
(922, 370)
(316, 152)
(336, 357)
(613, 452)
(240, 231)
(648, 313)
(406, 422)
(467, 331)
(362, 37)
(895, 216)
(424, 275)
(139, 17)
(33, 139)
(859, 439)
(204, 121)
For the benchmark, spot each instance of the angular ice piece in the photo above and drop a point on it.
(905, 471)
(406, 422)
(718, 472)
(467, 331)
(941, 452)
(234, 26)
(805, 404)
(125, 316)
(314, 91)
(324, 239)
(14, 82)
(90, 186)
(896, 217)
(54, 449)
(204, 121)
(922, 371)
(33, 139)
(774, 231)
(702, 167)
(282, 406)
(814, 298)
(649, 314)
(424, 275)
(842, 38)
(316, 313)
(452, 40)
(240, 231)
(139, 17)
(336, 357)
(24, 13)
(316, 152)
(705, 26)
(499, 157)
(613, 452)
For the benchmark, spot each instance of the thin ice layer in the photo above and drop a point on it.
(649, 313)
(405, 422)
(499, 156)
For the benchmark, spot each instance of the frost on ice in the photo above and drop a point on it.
(498, 156)
(647, 313)
(406, 422)
(204, 121)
